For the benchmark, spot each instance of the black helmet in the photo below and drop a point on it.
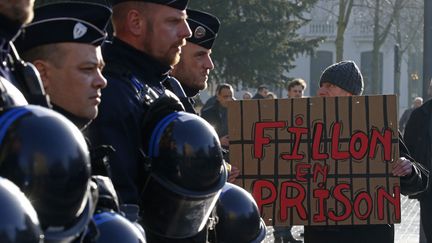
(113, 227)
(239, 219)
(10, 95)
(186, 174)
(18, 220)
(45, 155)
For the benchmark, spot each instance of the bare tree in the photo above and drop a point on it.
(383, 14)
(406, 33)
(345, 7)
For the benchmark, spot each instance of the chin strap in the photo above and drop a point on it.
(28, 79)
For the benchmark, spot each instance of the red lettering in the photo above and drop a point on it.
(260, 140)
(339, 196)
(320, 169)
(394, 200)
(300, 171)
(322, 195)
(336, 154)
(386, 141)
(361, 139)
(316, 154)
(296, 202)
(298, 131)
(257, 192)
(368, 200)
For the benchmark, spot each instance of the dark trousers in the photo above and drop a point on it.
(426, 218)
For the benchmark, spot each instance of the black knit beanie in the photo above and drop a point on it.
(345, 75)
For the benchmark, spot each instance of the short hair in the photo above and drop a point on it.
(223, 86)
(296, 82)
(121, 10)
(53, 53)
(262, 87)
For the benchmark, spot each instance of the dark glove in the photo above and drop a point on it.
(99, 157)
(108, 199)
(160, 108)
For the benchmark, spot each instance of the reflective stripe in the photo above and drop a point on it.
(8, 118)
(157, 133)
(103, 217)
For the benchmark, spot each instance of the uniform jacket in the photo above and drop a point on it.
(8, 30)
(121, 112)
(179, 90)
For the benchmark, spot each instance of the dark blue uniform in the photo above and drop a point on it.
(9, 93)
(186, 98)
(128, 70)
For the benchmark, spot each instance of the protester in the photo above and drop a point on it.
(344, 79)
(417, 102)
(418, 137)
(247, 95)
(296, 88)
(261, 93)
(217, 114)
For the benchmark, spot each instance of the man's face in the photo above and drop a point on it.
(75, 84)
(17, 10)
(295, 92)
(264, 92)
(225, 95)
(165, 34)
(331, 90)
(194, 66)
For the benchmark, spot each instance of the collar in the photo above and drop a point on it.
(80, 122)
(143, 66)
(190, 92)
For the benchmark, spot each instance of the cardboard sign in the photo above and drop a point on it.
(318, 161)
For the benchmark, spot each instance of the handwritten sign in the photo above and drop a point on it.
(318, 161)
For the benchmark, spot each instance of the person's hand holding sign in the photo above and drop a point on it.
(402, 167)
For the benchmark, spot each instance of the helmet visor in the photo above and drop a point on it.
(172, 212)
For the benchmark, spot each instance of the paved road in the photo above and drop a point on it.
(406, 232)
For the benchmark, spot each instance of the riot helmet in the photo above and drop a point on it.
(239, 218)
(46, 156)
(115, 228)
(185, 174)
(18, 221)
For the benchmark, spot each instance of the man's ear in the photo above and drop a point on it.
(44, 70)
(135, 22)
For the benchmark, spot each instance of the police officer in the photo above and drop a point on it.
(149, 35)
(195, 62)
(70, 63)
(13, 14)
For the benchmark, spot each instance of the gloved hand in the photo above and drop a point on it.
(158, 109)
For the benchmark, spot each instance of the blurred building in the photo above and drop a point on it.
(358, 47)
